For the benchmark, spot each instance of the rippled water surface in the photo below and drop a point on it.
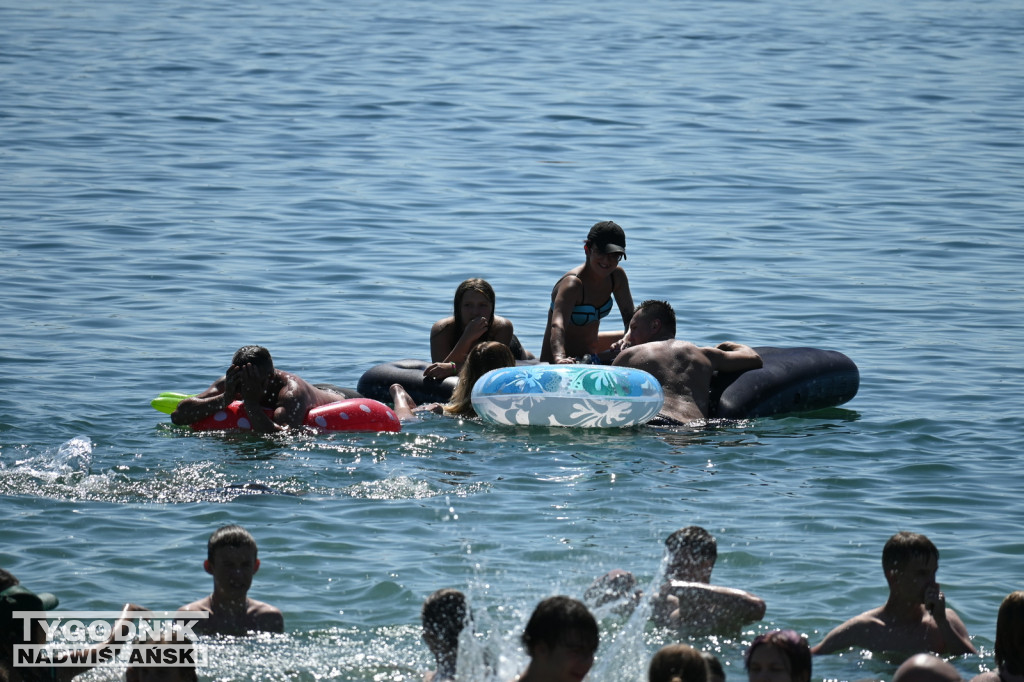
(182, 179)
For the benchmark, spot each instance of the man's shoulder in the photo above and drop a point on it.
(198, 605)
(265, 616)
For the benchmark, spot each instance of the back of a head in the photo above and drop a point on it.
(557, 618)
(904, 546)
(482, 358)
(1010, 634)
(926, 668)
(677, 663)
(793, 646)
(444, 615)
(716, 673)
(659, 310)
(257, 356)
(692, 541)
(230, 536)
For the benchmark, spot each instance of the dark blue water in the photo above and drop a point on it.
(315, 177)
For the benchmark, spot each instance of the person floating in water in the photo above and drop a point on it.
(914, 618)
(231, 560)
(253, 379)
(583, 296)
(683, 370)
(473, 321)
(688, 600)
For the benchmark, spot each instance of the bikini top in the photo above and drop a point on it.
(584, 313)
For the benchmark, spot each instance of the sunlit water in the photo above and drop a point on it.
(181, 179)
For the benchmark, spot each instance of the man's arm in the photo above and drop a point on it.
(560, 312)
(107, 650)
(954, 634)
(853, 632)
(216, 397)
(711, 607)
(732, 357)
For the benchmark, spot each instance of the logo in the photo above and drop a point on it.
(84, 638)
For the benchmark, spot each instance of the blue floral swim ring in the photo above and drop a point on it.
(592, 396)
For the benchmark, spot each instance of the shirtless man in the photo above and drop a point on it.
(688, 600)
(683, 369)
(231, 560)
(252, 379)
(915, 617)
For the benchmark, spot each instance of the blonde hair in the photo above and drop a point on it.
(482, 358)
(677, 663)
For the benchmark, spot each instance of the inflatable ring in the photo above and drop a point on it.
(376, 382)
(593, 396)
(357, 414)
(791, 380)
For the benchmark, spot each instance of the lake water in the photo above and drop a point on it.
(180, 179)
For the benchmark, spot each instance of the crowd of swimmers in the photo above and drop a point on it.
(474, 339)
(561, 636)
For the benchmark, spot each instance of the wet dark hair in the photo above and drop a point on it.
(445, 613)
(230, 536)
(677, 663)
(258, 356)
(659, 310)
(793, 645)
(904, 546)
(555, 618)
(716, 673)
(1010, 634)
(693, 541)
(478, 285)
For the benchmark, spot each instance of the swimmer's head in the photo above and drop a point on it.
(926, 668)
(482, 358)
(690, 550)
(1010, 634)
(230, 536)
(480, 286)
(677, 663)
(786, 646)
(606, 237)
(257, 356)
(561, 620)
(445, 614)
(904, 546)
(650, 312)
